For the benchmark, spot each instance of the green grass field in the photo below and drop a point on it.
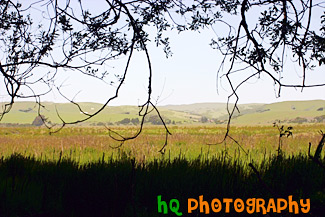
(88, 144)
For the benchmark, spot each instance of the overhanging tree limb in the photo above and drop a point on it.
(70, 35)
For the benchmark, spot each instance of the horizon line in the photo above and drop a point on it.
(191, 103)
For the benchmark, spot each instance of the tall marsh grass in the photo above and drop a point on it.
(121, 187)
(87, 144)
(77, 172)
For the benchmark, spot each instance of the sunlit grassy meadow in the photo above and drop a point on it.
(90, 144)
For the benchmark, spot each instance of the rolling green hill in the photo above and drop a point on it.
(289, 111)
(25, 113)
(212, 110)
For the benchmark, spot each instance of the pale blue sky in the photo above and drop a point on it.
(189, 76)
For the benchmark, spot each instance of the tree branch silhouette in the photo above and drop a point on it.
(70, 36)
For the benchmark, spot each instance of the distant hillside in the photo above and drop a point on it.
(211, 110)
(25, 113)
(289, 111)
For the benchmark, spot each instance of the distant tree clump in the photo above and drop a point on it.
(320, 119)
(299, 120)
(39, 120)
(156, 120)
(204, 119)
(124, 121)
(100, 124)
(135, 121)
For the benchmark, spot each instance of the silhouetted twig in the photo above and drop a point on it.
(317, 155)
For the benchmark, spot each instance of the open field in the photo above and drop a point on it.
(87, 144)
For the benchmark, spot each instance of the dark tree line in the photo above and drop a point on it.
(258, 35)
